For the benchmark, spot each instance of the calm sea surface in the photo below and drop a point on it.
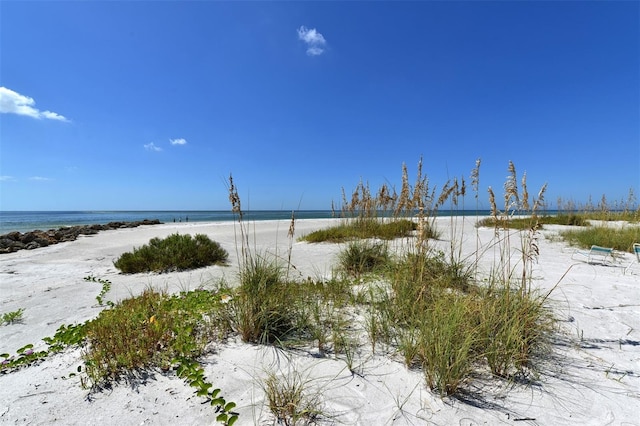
(28, 221)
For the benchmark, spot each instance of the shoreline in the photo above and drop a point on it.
(31, 240)
(17, 221)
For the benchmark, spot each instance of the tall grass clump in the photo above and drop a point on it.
(272, 308)
(514, 328)
(363, 256)
(517, 322)
(618, 238)
(445, 321)
(174, 253)
(267, 307)
(385, 214)
(431, 305)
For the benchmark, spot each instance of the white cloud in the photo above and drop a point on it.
(40, 179)
(7, 179)
(314, 40)
(14, 103)
(179, 141)
(152, 147)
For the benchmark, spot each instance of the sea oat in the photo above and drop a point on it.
(539, 202)
(492, 202)
(511, 198)
(404, 202)
(475, 177)
(447, 189)
(525, 193)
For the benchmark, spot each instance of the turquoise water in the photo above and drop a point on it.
(28, 221)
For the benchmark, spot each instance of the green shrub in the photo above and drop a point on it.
(151, 330)
(174, 253)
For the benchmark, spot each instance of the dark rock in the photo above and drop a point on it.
(15, 236)
(14, 241)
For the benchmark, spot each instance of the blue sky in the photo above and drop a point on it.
(150, 105)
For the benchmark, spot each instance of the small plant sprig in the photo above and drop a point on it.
(106, 286)
(289, 399)
(67, 335)
(193, 374)
(12, 317)
(25, 356)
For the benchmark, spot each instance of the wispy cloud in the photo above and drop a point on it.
(14, 103)
(40, 179)
(7, 179)
(179, 141)
(152, 147)
(314, 40)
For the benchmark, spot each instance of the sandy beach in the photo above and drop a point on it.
(592, 377)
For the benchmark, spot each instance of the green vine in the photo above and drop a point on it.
(193, 374)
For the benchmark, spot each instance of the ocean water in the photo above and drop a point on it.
(25, 221)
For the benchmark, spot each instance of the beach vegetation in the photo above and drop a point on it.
(523, 222)
(66, 336)
(363, 256)
(290, 399)
(151, 330)
(619, 238)
(174, 253)
(362, 228)
(12, 317)
(415, 299)
(427, 304)
(572, 214)
(106, 286)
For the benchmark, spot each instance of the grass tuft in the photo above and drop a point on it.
(290, 401)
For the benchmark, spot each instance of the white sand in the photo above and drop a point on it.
(593, 377)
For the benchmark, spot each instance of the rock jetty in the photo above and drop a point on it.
(14, 241)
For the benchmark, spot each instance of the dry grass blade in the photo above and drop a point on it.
(475, 178)
(525, 193)
(492, 203)
(511, 197)
(404, 202)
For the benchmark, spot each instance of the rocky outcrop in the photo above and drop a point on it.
(14, 241)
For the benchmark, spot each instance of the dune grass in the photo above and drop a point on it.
(364, 228)
(524, 223)
(603, 235)
(290, 399)
(425, 304)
